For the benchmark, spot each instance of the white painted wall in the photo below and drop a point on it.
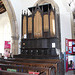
(5, 30)
(65, 19)
(65, 29)
(65, 22)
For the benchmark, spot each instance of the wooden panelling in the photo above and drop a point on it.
(37, 25)
(24, 25)
(29, 24)
(52, 24)
(46, 23)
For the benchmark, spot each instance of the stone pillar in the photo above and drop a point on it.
(14, 45)
(14, 26)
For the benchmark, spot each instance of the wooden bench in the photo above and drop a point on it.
(37, 63)
(2, 72)
(30, 63)
(59, 67)
(26, 69)
(41, 60)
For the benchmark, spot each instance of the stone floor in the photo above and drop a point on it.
(70, 73)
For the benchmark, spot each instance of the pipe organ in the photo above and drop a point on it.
(40, 33)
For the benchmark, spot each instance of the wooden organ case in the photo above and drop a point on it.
(40, 33)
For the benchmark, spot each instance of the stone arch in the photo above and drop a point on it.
(14, 26)
(52, 2)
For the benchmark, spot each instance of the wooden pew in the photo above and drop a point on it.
(20, 68)
(36, 65)
(30, 63)
(41, 60)
(59, 67)
(2, 72)
(39, 63)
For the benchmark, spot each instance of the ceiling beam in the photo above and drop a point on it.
(2, 7)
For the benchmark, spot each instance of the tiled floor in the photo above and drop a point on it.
(70, 73)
